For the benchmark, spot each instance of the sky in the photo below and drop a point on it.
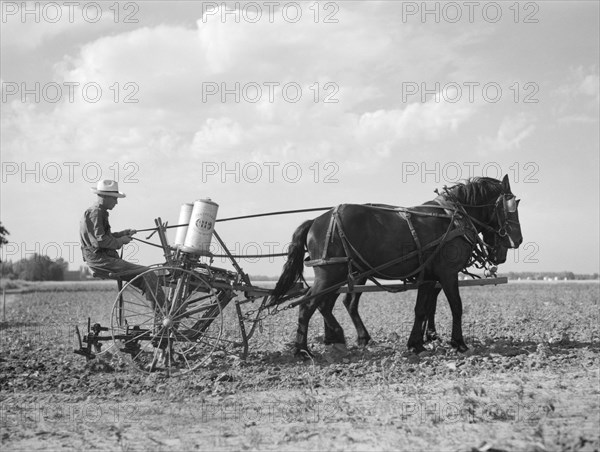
(271, 106)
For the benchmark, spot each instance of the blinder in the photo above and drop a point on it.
(510, 203)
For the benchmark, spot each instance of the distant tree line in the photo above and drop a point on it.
(39, 267)
(570, 276)
(263, 278)
(36, 267)
(3, 234)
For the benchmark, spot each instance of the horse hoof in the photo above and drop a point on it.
(334, 340)
(303, 354)
(461, 348)
(417, 349)
(431, 336)
(363, 341)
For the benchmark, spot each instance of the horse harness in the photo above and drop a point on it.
(460, 225)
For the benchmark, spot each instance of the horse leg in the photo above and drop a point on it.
(431, 333)
(351, 303)
(334, 333)
(305, 312)
(450, 285)
(422, 313)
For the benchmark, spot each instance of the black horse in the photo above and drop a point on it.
(429, 243)
(497, 247)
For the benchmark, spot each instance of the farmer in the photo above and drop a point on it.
(99, 244)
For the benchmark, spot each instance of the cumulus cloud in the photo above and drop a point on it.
(326, 92)
(578, 96)
(511, 133)
(216, 136)
(417, 121)
(29, 25)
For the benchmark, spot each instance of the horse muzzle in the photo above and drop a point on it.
(498, 254)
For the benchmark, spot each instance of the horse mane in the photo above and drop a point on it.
(476, 190)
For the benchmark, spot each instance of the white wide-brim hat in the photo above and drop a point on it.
(108, 187)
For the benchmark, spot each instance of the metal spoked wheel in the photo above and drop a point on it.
(169, 318)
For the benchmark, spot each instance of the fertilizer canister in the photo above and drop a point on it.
(184, 218)
(201, 227)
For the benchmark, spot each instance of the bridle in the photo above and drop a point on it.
(509, 205)
(481, 255)
(501, 214)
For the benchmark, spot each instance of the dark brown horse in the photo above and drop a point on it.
(497, 248)
(429, 243)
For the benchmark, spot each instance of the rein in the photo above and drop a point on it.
(501, 231)
(356, 261)
(449, 234)
(455, 212)
(480, 255)
(243, 217)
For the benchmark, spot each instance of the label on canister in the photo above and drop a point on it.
(185, 214)
(201, 227)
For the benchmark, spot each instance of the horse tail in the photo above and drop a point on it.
(294, 266)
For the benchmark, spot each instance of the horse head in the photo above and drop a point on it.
(493, 208)
(507, 214)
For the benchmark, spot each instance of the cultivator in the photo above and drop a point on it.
(176, 323)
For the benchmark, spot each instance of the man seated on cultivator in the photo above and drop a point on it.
(99, 244)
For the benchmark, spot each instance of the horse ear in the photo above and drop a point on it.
(506, 184)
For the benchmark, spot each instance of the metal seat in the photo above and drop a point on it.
(105, 274)
(100, 274)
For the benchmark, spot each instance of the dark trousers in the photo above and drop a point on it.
(105, 262)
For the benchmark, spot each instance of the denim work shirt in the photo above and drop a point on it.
(95, 235)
